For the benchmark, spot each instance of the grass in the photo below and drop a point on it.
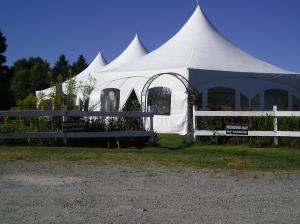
(171, 152)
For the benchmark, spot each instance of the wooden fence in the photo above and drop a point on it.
(275, 114)
(69, 135)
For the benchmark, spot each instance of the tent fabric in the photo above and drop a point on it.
(199, 45)
(128, 81)
(96, 65)
(133, 52)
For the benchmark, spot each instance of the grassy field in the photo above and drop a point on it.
(171, 152)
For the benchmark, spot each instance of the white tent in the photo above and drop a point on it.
(133, 52)
(225, 77)
(202, 55)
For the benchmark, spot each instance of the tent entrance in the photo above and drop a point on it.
(132, 103)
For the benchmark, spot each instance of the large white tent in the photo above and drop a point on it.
(225, 77)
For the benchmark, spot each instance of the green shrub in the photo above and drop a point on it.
(54, 124)
(255, 124)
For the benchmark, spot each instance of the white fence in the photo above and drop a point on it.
(275, 114)
(66, 135)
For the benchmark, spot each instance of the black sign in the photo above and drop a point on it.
(73, 126)
(237, 129)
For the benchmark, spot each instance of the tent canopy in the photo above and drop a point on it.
(97, 64)
(133, 52)
(199, 45)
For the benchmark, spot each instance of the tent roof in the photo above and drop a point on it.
(133, 52)
(96, 65)
(199, 45)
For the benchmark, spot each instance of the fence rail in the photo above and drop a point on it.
(61, 113)
(275, 114)
(69, 135)
(247, 113)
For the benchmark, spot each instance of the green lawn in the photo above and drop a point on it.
(170, 153)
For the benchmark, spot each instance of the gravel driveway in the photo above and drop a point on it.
(70, 193)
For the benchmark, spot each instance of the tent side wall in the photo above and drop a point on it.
(126, 82)
(248, 88)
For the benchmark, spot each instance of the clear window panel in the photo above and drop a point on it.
(159, 100)
(276, 97)
(221, 98)
(110, 100)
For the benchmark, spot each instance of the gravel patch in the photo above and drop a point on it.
(72, 193)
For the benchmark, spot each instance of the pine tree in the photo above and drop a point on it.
(3, 47)
(78, 66)
(6, 99)
(61, 68)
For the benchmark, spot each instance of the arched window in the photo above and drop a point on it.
(221, 98)
(276, 97)
(159, 100)
(110, 100)
(132, 103)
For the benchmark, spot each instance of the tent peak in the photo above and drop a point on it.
(133, 52)
(100, 59)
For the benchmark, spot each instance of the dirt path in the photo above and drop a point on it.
(69, 193)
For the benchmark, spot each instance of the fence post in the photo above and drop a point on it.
(151, 128)
(194, 123)
(65, 118)
(275, 122)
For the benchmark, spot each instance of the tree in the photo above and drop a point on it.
(30, 75)
(78, 66)
(86, 89)
(6, 99)
(71, 92)
(61, 68)
(3, 47)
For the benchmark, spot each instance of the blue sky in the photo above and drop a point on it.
(268, 29)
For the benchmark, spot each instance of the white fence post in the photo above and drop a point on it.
(275, 122)
(194, 122)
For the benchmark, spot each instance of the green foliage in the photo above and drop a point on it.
(86, 89)
(54, 124)
(6, 74)
(255, 124)
(3, 47)
(30, 75)
(62, 69)
(195, 157)
(29, 103)
(132, 103)
(71, 92)
(172, 141)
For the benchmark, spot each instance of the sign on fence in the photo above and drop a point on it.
(237, 129)
(73, 126)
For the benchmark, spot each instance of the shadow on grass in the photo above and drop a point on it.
(172, 141)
